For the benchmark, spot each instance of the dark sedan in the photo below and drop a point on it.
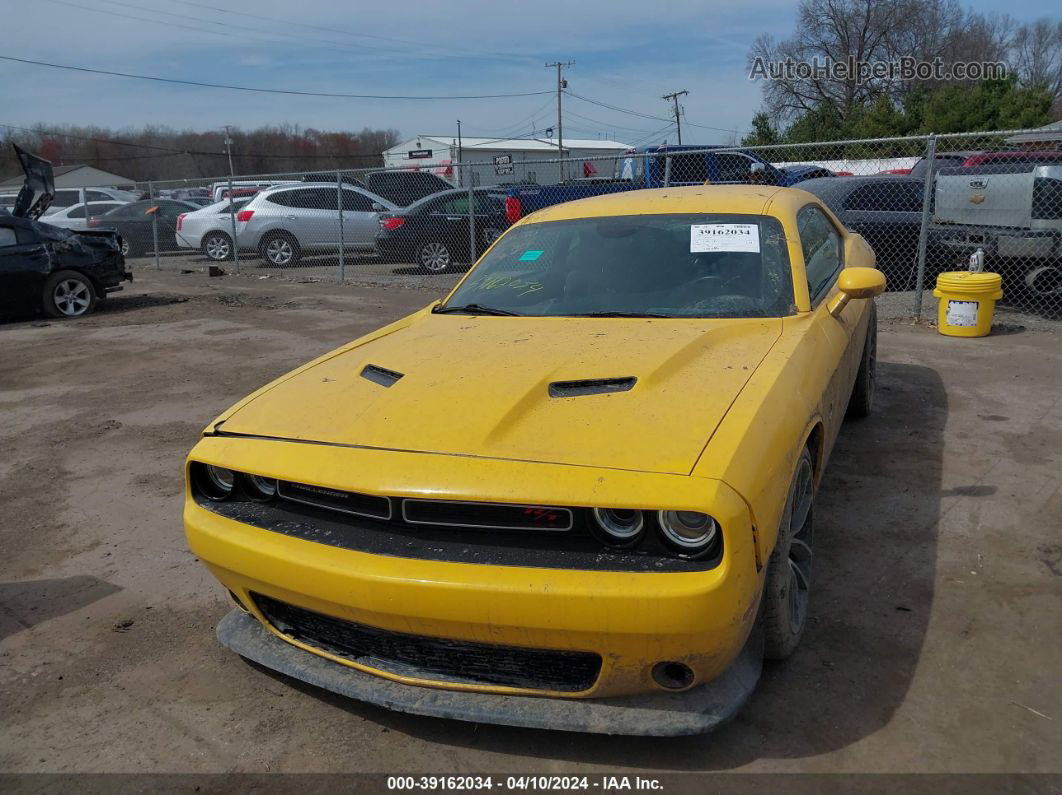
(434, 232)
(134, 222)
(886, 211)
(45, 267)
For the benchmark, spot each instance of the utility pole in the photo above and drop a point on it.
(561, 85)
(678, 114)
(232, 210)
(460, 176)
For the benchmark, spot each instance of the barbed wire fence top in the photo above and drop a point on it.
(925, 204)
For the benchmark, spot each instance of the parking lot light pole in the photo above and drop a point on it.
(923, 231)
(232, 209)
(154, 226)
(339, 205)
(471, 222)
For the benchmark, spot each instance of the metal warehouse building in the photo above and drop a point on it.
(78, 176)
(503, 161)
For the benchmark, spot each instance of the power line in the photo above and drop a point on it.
(265, 90)
(227, 28)
(351, 33)
(645, 115)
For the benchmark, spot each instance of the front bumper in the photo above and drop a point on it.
(695, 711)
(631, 619)
(997, 241)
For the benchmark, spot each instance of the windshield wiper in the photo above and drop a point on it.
(620, 314)
(473, 309)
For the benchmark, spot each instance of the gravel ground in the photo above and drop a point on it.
(934, 645)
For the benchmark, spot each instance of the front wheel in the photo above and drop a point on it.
(788, 586)
(281, 249)
(434, 257)
(217, 246)
(68, 294)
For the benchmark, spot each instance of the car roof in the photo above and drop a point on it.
(738, 199)
(455, 192)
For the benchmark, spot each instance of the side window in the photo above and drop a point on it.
(356, 202)
(887, 196)
(458, 205)
(284, 198)
(7, 237)
(733, 167)
(77, 212)
(821, 245)
(64, 198)
(168, 210)
(689, 168)
(96, 196)
(314, 199)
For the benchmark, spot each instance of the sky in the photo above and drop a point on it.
(626, 54)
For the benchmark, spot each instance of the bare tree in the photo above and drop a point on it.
(868, 31)
(1036, 54)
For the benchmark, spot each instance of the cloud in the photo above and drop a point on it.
(627, 54)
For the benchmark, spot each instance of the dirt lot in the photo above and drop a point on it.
(937, 627)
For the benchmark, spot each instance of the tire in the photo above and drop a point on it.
(131, 250)
(434, 257)
(788, 587)
(861, 402)
(280, 249)
(217, 246)
(68, 294)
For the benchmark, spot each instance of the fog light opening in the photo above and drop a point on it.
(673, 675)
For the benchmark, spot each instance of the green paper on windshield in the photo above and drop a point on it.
(530, 256)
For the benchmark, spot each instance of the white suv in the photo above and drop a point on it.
(284, 222)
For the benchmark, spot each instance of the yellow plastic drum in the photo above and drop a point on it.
(967, 302)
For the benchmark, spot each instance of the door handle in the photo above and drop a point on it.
(290, 217)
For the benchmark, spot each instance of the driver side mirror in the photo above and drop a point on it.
(757, 168)
(856, 283)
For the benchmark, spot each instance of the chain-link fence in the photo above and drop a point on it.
(925, 204)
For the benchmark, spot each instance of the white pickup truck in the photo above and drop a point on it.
(1008, 210)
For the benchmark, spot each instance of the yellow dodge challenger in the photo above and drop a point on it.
(576, 493)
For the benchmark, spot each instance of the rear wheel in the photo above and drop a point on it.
(217, 246)
(280, 249)
(68, 294)
(434, 257)
(788, 587)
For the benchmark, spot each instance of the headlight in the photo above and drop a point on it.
(690, 532)
(619, 526)
(215, 483)
(260, 488)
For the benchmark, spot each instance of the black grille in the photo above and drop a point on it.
(346, 501)
(437, 659)
(486, 515)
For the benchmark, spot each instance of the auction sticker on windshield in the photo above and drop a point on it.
(743, 238)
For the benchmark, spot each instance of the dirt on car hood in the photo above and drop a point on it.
(622, 393)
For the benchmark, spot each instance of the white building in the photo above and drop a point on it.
(494, 161)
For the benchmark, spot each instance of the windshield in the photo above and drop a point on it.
(657, 265)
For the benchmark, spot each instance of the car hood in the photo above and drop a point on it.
(495, 387)
(38, 188)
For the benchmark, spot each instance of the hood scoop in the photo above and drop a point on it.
(590, 386)
(380, 375)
